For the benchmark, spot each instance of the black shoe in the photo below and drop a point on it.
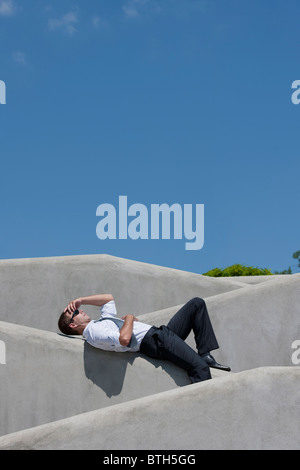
(211, 362)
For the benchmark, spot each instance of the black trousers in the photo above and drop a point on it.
(167, 342)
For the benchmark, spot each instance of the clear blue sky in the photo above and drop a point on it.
(169, 101)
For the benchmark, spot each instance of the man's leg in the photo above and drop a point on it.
(162, 343)
(193, 316)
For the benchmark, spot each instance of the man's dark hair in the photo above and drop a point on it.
(63, 325)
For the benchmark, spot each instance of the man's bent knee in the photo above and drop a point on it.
(198, 301)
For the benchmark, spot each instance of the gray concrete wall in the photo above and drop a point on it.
(254, 410)
(255, 326)
(48, 377)
(33, 292)
(257, 279)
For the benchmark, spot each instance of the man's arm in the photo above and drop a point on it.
(97, 300)
(127, 329)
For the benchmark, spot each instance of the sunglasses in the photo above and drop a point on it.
(74, 315)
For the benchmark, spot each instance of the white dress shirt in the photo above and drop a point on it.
(105, 334)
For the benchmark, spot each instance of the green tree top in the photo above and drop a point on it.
(242, 270)
(296, 255)
(238, 270)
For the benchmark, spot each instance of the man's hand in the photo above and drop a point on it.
(73, 305)
(96, 300)
(133, 318)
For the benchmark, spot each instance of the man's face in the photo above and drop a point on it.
(80, 319)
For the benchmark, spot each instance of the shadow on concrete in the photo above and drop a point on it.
(108, 370)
